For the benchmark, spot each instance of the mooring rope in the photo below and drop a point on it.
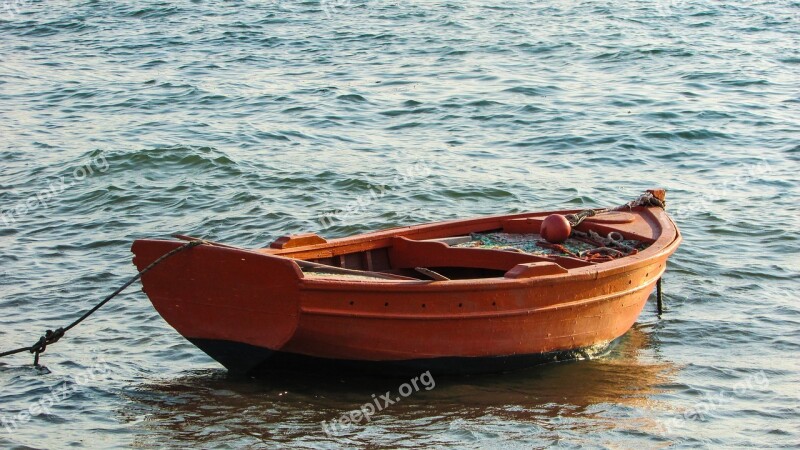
(52, 336)
(646, 199)
(576, 219)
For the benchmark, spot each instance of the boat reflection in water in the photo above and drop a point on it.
(576, 402)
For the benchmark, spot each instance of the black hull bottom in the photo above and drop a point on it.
(245, 359)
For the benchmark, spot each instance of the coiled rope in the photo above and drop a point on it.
(52, 336)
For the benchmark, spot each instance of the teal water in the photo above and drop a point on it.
(242, 121)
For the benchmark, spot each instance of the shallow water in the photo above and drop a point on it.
(243, 121)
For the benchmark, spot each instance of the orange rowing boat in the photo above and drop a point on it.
(476, 295)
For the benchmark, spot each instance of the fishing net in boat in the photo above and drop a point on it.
(532, 243)
(589, 246)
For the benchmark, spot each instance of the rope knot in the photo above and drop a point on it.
(50, 337)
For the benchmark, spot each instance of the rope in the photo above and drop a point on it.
(557, 247)
(576, 219)
(614, 239)
(646, 199)
(53, 336)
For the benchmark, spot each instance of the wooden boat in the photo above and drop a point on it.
(438, 297)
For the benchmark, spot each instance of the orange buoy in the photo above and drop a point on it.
(555, 228)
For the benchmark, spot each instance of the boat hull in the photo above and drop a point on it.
(256, 310)
(534, 330)
(245, 359)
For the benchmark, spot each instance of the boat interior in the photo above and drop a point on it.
(510, 248)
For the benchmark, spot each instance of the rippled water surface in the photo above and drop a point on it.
(241, 121)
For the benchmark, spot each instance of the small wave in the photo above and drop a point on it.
(482, 103)
(355, 98)
(171, 158)
(532, 91)
(691, 135)
(403, 126)
(154, 12)
(403, 112)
